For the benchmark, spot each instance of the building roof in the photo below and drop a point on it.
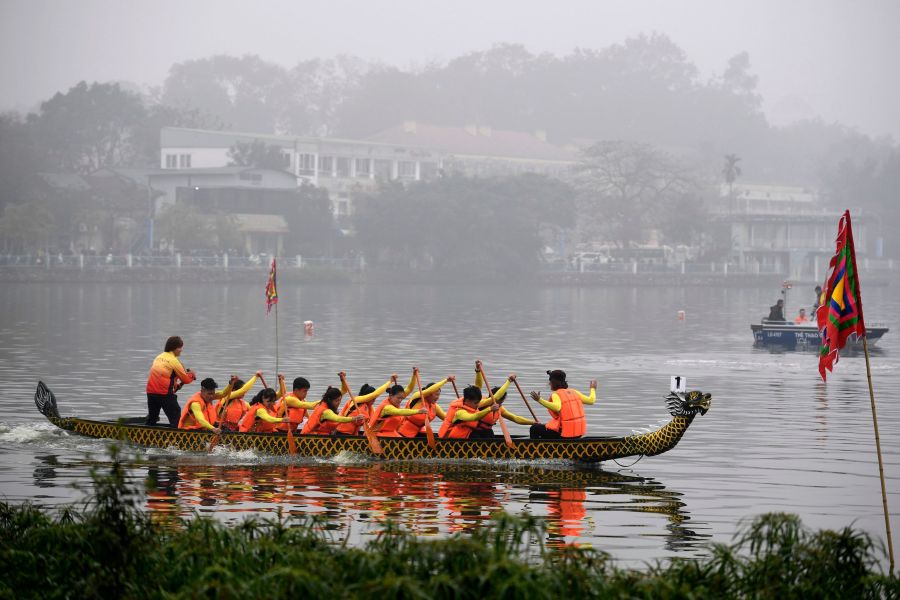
(182, 137)
(477, 141)
(254, 223)
(65, 181)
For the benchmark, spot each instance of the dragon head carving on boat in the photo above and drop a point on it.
(688, 404)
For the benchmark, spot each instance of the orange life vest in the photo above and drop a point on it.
(252, 423)
(389, 424)
(188, 421)
(315, 425)
(569, 421)
(351, 410)
(232, 414)
(415, 424)
(458, 430)
(296, 415)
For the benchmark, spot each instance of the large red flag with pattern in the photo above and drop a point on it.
(841, 314)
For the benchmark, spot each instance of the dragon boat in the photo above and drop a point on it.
(683, 406)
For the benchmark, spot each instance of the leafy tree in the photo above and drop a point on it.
(88, 127)
(311, 223)
(26, 227)
(623, 186)
(19, 158)
(184, 228)
(256, 154)
(461, 226)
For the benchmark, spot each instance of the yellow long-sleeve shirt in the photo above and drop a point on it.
(555, 404)
(244, 389)
(463, 414)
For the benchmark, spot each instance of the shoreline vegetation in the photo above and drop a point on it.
(109, 547)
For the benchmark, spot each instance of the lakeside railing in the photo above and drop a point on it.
(177, 261)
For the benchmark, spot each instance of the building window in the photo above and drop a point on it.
(382, 169)
(171, 161)
(308, 164)
(406, 169)
(428, 171)
(254, 178)
(343, 167)
(326, 165)
(363, 167)
(184, 161)
(286, 160)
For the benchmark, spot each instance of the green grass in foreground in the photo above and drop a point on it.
(111, 549)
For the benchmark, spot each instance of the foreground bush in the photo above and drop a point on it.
(111, 549)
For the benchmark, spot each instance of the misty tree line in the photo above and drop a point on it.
(667, 130)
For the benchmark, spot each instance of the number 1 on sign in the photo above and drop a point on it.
(679, 384)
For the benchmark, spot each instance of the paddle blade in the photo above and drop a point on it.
(374, 443)
(429, 435)
(292, 443)
(214, 441)
(506, 437)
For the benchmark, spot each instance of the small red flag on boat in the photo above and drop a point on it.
(841, 314)
(271, 289)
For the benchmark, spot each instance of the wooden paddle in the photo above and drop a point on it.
(292, 443)
(374, 444)
(455, 391)
(429, 434)
(506, 436)
(521, 393)
(215, 439)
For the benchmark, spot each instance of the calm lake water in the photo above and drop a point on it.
(776, 439)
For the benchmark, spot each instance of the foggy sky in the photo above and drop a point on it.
(828, 58)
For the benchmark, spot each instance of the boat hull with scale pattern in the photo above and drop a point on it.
(683, 407)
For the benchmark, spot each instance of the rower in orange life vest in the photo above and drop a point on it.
(199, 412)
(388, 416)
(295, 403)
(323, 420)
(363, 403)
(230, 410)
(463, 415)
(166, 375)
(414, 425)
(565, 407)
(486, 424)
(261, 416)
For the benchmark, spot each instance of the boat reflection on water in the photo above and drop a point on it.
(580, 506)
(429, 499)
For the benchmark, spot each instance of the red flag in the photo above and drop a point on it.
(841, 314)
(271, 289)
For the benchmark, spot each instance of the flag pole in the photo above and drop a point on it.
(887, 518)
(276, 340)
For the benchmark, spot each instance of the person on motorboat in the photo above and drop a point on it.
(166, 376)
(463, 415)
(486, 424)
(388, 416)
(261, 416)
(566, 408)
(200, 412)
(820, 298)
(323, 420)
(294, 403)
(801, 318)
(776, 311)
(414, 425)
(231, 409)
(361, 405)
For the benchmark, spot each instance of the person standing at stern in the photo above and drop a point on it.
(161, 382)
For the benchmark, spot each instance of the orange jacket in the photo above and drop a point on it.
(569, 421)
(232, 414)
(294, 413)
(187, 419)
(389, 424)
(414, 424)
(165, 369)
(316, 425)
(458, 430)
(350, 410)
(252, 423)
